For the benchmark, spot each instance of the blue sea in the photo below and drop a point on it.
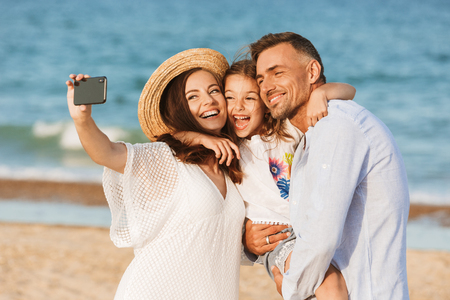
(396, 53)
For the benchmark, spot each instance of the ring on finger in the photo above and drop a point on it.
(267, 240)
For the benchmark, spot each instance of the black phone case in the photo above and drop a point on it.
(90, 91)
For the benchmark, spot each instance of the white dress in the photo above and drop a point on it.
(186, 237)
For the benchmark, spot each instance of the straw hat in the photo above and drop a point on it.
(148, 109)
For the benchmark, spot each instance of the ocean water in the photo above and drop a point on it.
(424, 233)
(396, 53)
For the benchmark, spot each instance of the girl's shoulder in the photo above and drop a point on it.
(296, 134)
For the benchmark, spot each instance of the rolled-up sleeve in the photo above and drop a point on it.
(323, 183)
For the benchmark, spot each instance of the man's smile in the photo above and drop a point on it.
(275, 98)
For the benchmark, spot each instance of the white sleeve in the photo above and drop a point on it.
(141, 199)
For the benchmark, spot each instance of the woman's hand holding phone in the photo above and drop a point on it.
(77, 112)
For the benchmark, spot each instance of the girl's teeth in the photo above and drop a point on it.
(241, 122)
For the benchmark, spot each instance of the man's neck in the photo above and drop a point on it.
(299, 120)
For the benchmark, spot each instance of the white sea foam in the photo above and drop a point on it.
(68, 135)
(70, 141)
(64, 130)
(43, 130)
(115, 133)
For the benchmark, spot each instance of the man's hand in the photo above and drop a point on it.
(278, 278)
(255, 240)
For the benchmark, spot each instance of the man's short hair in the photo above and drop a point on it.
(302, 45)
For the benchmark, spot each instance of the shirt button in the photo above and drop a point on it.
(324, 166)
(294, 202)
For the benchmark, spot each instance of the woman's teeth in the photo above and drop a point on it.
(209, 114)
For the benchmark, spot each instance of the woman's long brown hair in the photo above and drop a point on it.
(176, 115)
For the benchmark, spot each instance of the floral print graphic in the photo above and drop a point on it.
(283, 185)
(281, 173)
(288, 158)
(278, 168)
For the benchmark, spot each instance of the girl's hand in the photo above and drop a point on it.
(222, 147)
(316, 108)
(81, 112)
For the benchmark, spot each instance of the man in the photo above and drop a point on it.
(349, 198)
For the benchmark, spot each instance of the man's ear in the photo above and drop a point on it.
(314, 70)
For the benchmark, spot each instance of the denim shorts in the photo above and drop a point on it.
(277, 257)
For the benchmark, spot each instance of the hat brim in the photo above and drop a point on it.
(149, 103)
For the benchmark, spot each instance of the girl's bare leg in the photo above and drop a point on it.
(333, 286)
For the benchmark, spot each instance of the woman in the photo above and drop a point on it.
(172, 202)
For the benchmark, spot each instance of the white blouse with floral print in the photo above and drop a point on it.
(267, 169)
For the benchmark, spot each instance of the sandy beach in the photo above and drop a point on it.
(66, 262)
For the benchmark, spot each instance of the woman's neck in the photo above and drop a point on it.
(215, 174)
(211, 166)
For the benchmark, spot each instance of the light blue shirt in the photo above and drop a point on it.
(349, 205)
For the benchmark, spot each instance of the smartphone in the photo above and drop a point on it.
(90, 91)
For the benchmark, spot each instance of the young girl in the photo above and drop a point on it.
(266, 149)
(172, 202)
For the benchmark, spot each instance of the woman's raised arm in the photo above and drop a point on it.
(97, 145)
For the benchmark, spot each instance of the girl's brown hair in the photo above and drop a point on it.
(176, 115)
(271, 127)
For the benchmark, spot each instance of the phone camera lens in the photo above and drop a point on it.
(101, 80)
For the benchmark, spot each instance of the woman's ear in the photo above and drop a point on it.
(314, 70)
